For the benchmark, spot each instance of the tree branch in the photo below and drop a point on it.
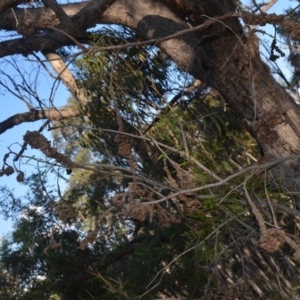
(39, 17)
(89, 16)
(62, 71)
(34, 43)
(35, 115)
(84, 15)
(64, 19)
(66, 76)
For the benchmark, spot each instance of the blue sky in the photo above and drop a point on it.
(10, 105)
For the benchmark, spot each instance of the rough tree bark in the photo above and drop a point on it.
(218, 53)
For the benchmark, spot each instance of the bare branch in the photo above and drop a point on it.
(35, 115)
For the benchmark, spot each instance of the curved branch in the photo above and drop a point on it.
(34, 43)
(151, 19)
(83, 15)
(35, 115)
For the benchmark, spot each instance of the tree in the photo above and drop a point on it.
(217, 59)
(196, 51)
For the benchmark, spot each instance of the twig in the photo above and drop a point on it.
(269, 202)
(184, 140)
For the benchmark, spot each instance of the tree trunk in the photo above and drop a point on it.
(227, 60)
